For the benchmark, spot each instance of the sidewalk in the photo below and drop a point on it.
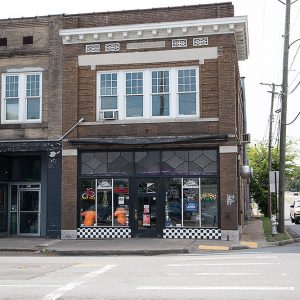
(252, 238)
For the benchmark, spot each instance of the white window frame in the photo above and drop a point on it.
(22, 116)
(147, 94)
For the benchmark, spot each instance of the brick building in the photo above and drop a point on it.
(160, 150)
(124, 124)
(30, 127)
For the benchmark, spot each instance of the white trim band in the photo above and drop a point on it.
(228, 149)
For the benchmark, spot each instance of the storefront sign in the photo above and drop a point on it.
(104, 184)
(121, 189)
(146, 209)
(88, 194)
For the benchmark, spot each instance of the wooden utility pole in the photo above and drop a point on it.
(283, 115)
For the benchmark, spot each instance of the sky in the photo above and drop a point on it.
(264, 65)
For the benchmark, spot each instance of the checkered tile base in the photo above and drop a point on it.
(192, 233)
(103, 233)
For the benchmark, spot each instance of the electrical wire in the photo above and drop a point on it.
(294, 119)
(294, 58)
(295, 88)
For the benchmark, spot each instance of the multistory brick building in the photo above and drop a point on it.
(124, 124)
(160, 150)
(30, 126)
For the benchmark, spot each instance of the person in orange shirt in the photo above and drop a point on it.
(120, 213)
(89, 217)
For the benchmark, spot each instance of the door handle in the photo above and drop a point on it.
(135, 214)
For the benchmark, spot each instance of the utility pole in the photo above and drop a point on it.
(270, 145)
(283, 115)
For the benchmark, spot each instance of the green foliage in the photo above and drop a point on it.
(258, 160)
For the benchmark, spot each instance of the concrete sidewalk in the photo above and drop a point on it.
(252, 238)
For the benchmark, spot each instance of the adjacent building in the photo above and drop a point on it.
(124, 124)
(30, 127)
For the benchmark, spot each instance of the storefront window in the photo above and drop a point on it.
(209, 202)
(191, 202)
(173, 202)
(87, 203)
(121, 202)
(104, 202)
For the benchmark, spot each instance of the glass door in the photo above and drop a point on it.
(3, 208)
(29, 220)
(147, 209)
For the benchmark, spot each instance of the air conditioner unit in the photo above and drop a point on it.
(246, 138)
(109, 115)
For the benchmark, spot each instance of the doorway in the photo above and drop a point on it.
(25, 209)
(148, 208)
(3, 208)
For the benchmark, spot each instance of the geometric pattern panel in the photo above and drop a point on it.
(192, 233)
(103, 233)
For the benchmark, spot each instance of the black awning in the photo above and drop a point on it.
(28, 146)
(149, 140)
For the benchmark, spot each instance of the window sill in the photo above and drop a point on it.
(24, 125)
(160, 120)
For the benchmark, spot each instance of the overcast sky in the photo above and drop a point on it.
(266, 27)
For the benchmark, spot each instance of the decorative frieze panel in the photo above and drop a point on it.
(146, 45)
(179, 43)
(201, 41)
(92, 48)
(112, 47)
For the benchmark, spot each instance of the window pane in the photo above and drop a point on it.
(121, 201)
(33, 85)
(11, 86)
(209, 202)
(87, 202)
(147, 162)
(108, 84)
(160, 81)
(109, 102)
(104, 207)
(160, 105)
(33, 108)
(134, 83)
(12, 109)
(173, 203)
(187, 80)
(134, 106)
(187, 104)
(191, 207)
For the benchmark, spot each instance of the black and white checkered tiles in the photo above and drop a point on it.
(168, 233)
(103, 233)
(192, 233)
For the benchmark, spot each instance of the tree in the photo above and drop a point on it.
(258, 160)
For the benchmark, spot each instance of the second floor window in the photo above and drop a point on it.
(148, 94)
(21, 98)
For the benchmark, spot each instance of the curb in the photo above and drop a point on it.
(144, 252)
(239, 247)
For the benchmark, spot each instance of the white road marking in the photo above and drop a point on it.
(219, 288)
(220, 264)
(225, 257)
(71, 285)
(29, 285)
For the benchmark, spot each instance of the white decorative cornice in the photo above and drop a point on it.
(232, 25)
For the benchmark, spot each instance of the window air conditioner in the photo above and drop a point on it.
(109, 115)
(246, 138)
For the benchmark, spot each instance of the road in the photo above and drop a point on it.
(267, 273)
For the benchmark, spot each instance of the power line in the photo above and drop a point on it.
(295, 88)
(294, 57)
(294, 119)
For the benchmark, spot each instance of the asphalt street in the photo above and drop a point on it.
(268, 273)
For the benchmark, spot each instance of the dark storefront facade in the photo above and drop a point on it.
(28, 205)
(159, 193)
